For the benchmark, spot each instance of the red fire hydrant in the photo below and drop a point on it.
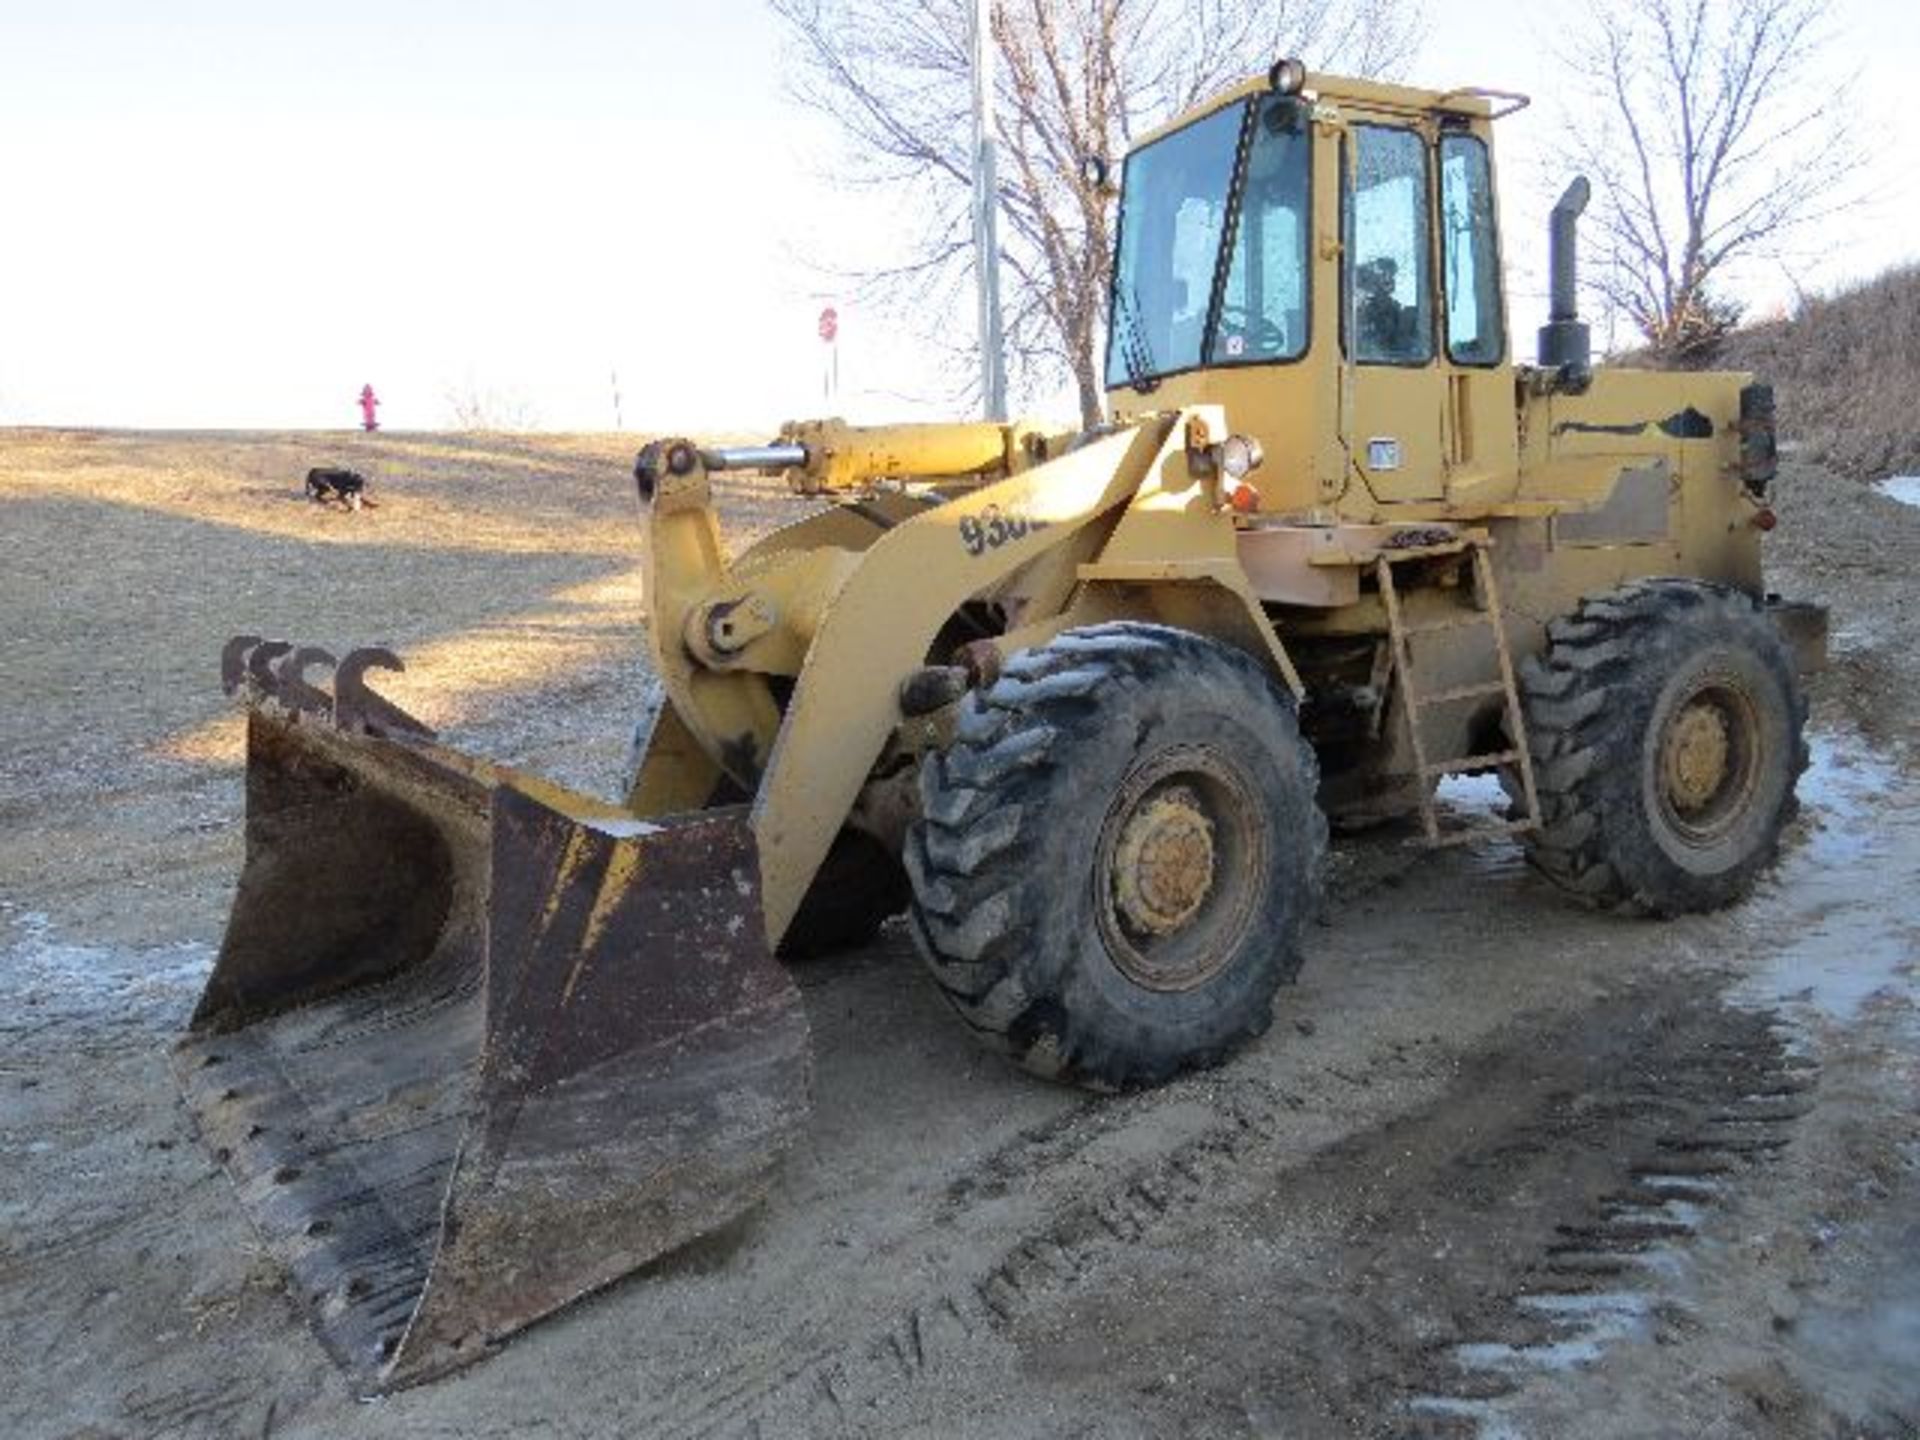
(369, 402)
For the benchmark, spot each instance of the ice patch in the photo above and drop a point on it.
(1591, 1323)
(1554, 1354)
(1683, 1213)
(1841, 789)
(1481, 793)
(1685, 1185)
(1840, 947)
(46, 984)
(621, 829)
(1904, 488)
(1611, 1306)
(1470, 801)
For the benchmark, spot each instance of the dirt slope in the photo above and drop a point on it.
(1846, 368)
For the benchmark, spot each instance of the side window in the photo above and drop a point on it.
(1388, 288)
(1476, 334)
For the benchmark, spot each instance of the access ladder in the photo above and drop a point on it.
(1400, 635)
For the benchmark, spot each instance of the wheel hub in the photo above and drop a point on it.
(1705, 767)
(1178, 868)
(1164, 863)
(1698, 748)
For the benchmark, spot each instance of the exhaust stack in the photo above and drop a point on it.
(1566, 345)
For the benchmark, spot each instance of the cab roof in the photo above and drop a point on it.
(1365, 94)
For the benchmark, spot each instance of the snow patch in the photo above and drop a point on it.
(1904, 488)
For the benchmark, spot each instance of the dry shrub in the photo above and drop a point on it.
(1846, 371)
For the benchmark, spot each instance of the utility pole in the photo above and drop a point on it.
(986, 211)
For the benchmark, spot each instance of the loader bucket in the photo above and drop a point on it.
(475, 1045)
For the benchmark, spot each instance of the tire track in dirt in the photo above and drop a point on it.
(1716, 1117)
(1613, 1137)
(836, 1387)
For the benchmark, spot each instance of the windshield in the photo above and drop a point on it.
(1174, 218)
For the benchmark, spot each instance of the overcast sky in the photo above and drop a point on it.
(235, 214)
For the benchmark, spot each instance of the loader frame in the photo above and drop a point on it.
(1072, 539)
(781, 668)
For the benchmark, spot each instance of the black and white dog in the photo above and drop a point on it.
(330, 485)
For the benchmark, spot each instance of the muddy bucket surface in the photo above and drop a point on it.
(475, 1045)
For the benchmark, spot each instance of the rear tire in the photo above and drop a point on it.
(1666, 727)
(1117, 855)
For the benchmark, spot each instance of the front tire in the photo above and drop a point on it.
(1666, 727)
(1118, 854)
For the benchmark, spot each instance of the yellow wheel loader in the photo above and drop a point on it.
(1080, 703)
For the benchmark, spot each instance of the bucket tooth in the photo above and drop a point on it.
(297, 692)
(260, 666)
(475, 1045)
(359, 707)
(233, 662)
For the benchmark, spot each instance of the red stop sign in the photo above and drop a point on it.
(829, 324)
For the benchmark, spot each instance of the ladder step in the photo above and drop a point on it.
(1467, 621)
(1484, 831)
(1464, 692)
(1464, 763)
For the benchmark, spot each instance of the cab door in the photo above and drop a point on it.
(1388, 306)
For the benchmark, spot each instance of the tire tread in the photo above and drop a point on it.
(975, 858)
(1574, 720)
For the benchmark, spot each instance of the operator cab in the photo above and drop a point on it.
(1322, 256)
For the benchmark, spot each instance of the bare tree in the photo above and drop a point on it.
(1708, 143)
(1074, 79)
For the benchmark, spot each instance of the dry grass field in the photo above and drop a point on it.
(502, 568)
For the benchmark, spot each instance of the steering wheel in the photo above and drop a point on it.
(1264, 334)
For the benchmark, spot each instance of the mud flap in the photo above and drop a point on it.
(475, 1045)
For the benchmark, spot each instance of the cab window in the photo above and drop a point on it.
(1389, 292)
(1263, 308)
(1476, 332)
(1173, 212)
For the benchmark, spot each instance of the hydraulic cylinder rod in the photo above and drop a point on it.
(822, 455)
(755, 457)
